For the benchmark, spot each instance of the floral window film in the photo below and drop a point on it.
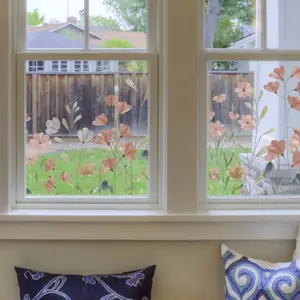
(253, 130)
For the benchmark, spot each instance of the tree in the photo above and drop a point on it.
(117, 43)
(130, 14)
(34, 18)
(103, 21)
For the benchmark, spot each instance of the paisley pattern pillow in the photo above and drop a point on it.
(135, 285)
(251, 279)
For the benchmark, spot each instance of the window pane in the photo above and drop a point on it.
(118, 24)
(231, 25)
(87, 133)
(253, 130)
(54, 24)
(282, 22)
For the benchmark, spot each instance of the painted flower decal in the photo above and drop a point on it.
(128, 150)
(31, 158)
(100, 120)
(244, 89)
(236, 173)
(296, 160)
(272, 87)
(28, 118)
(124, 107)
(295, 72)
(294, 141)
(104, 137)
(233, 116)
(125, 131)
(108, 165)
(50, 165)
(53, 126)
(110, 100)
(211, 115)
(247, 122)
(40, 142)
(294, 102)
(220, 98)
(275, 150)
(278, 73)
(66, 177)
(85, 135)
(87, 169)
(216, 129)
(50, 185)
(213, 174)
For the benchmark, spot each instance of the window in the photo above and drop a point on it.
(252, 148)
(89, 137)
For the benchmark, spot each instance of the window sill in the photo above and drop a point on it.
(149, 225)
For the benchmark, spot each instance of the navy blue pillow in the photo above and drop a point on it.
(134, 285)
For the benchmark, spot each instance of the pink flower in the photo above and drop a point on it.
(125, 131)
(216, 129)
(247, 122)
(294, 141)
(272, 87)
(298, 88)
(244, 90)
(233, 116)
(108, 165)
(295, 72)
(100, 120)
(31, 159)
(296, 160)
(213, 174)
(211, 115)
(124, 107)
(275, 150)
(104, 137)
(278, 73)
(220, 98)
(294, 102)
(40, 142)
(128, 150)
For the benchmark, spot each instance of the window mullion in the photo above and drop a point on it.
(86, 24)
(181, 85)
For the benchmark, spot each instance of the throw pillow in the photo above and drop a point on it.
(251, 279)
(134, 285)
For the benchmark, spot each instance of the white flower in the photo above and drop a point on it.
(52, 126)
(85, 135)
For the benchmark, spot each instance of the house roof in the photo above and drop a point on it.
(50, 36)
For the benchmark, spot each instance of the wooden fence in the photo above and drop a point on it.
(48, 95)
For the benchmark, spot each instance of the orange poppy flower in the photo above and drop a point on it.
(124, 107)
(294, 102)
(275, 150)
(50, 184)
(125, 131)
(213, 174)
(65, 177)
(278, 73)
(295, 72)
(296, 160)
(87, 169)
(50, 164)
(110, 100)
(272, 87)
(100, 120)
(104, 137)
(108, 165)
(236, 173)
(128, 150)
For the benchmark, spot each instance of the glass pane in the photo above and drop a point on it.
(118, 24)
(282, 17)
(54, 24)
(87, 132)
(231, 25)
(253, 139)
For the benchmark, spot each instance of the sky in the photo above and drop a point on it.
(57, 9)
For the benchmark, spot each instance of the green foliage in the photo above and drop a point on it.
(117, 43)
(103, 21)
(242, 10)
(71, 34)
(34, 18)
(132, 14)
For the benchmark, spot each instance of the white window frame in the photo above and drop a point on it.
(86, 54)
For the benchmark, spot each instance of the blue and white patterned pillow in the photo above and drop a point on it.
(134, 285)
(251, 279)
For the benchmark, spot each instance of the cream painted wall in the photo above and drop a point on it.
(186, 270)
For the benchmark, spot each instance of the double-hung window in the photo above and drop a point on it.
(85, 138)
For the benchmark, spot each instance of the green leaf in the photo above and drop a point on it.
(58, 140)
(146, 95)
(226, 181)
(68, 109)
(77, 119)
(230, 159)
(263, 112)
(262, 151)
(249, 105)
(75, 105)
(144, 142)
(236, 188)
(131, 84)
(65, 157)
(225, 159)
(65, 123)
(261, 93)
(270, 131)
